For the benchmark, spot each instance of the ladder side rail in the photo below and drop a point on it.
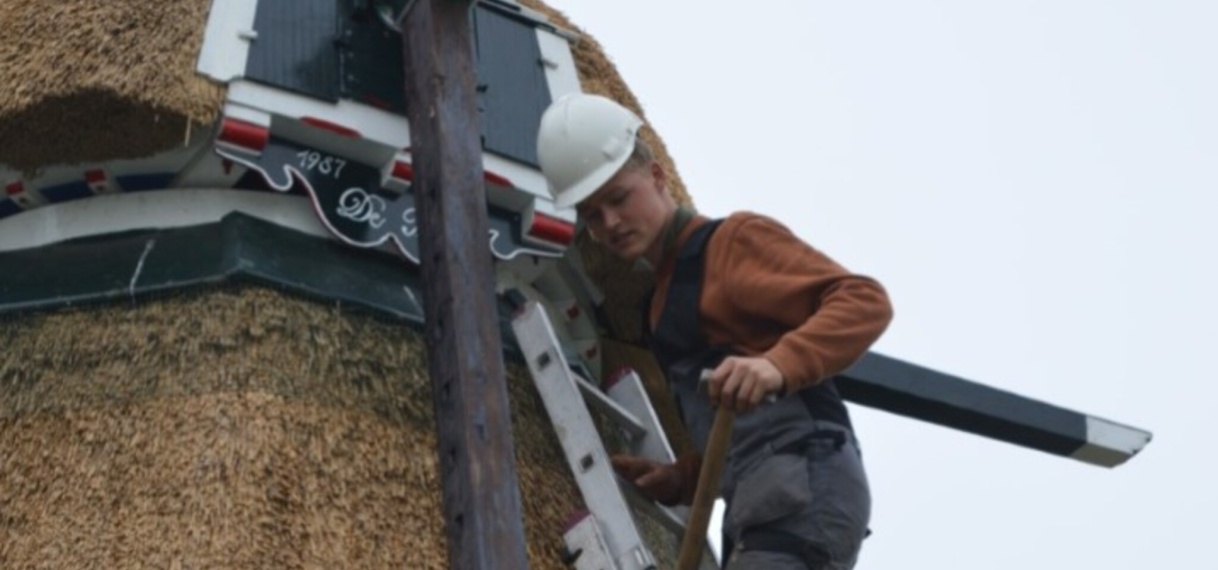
(585, 453)
(625, 391)
(586, 548)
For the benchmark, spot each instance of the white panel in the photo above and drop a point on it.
(142, 210)
(372, 123)
(561, 73)
(226, 41)
(563, 78)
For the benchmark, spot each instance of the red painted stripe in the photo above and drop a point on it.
(403, 170)
(14, 189)
(245, 135)
(332, 127)
(95, 176)
(377, 102)
(552, 229)
(497, 180)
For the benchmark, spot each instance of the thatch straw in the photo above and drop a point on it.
(92, 81)
(225, 430)
(236, 429)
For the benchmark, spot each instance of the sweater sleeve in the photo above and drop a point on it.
(824, 318)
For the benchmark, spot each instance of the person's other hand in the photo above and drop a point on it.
(742, 382)
(663, 483)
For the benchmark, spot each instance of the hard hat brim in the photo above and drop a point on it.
(583, 141)
(577, 193)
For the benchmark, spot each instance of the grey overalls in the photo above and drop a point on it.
(794, 483)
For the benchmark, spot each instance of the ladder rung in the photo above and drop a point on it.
(622, 416)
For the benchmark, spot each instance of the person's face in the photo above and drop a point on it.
(628, 213)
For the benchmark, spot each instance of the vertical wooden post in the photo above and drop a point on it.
(465, 358)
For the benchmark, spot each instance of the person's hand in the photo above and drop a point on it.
(663, 483)
(742, 382)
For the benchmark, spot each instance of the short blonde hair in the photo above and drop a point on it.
(641, 156)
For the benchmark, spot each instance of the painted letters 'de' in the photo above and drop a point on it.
(351, 203)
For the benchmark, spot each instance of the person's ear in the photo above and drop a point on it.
(658, 175)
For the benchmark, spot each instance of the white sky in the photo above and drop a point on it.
(1034, 182)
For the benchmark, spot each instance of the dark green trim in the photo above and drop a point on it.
(237, 248)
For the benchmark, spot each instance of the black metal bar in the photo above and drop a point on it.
(914, 391)
(481, 493)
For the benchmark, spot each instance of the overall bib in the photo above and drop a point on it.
(794, 484)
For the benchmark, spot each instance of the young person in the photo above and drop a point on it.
(772, 318)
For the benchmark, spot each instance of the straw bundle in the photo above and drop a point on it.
(89, 81)
(236, 429)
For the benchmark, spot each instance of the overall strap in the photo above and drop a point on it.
(678, 334)
(680, 346)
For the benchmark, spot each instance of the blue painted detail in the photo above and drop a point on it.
(65, 192)
(9, 208)
(141, 182)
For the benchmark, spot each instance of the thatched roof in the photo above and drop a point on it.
(94, 81)
(89, 81)
(212, 425)
(237, 429)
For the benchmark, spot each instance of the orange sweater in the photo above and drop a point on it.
(766, 292)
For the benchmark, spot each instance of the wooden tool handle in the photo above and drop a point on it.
(717, 444)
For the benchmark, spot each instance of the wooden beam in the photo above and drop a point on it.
(914, 391)
(481, 492)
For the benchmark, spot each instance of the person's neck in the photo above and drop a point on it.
(667, 240)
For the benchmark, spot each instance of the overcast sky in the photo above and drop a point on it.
(1034, 183)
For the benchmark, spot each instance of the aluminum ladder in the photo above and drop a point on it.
(605, 535)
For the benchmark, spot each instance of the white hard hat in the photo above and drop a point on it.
(583, 140)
